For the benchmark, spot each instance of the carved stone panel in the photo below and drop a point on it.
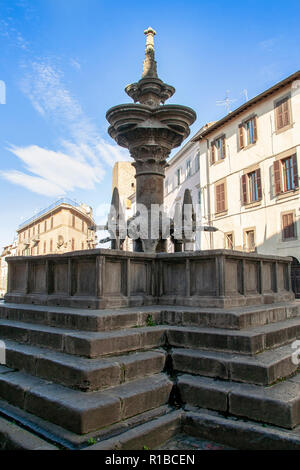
(18, 277)
(37, 278)
(85, 277)
(139, 278)
(174, 278)
(60, 278)
(251, 277)
(203, 277)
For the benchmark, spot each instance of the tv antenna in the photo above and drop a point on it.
(245, 93)
(226, 102)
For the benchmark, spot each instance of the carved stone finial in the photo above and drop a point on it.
(149, 66)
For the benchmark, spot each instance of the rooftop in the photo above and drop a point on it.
(57, 203)
(288, 80)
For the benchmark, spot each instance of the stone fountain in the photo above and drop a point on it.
(150, 130)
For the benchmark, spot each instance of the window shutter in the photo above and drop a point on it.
(258, 182)
(241, 136)
(244, 188)
(277, 177)
(279, 116)
(285, 113)
(213, 153)
(255, 128)
(224, 147)
(295, 171)
(217, 199)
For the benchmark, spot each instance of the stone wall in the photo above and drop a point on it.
(99, 279)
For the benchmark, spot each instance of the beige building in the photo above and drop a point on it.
(243, 171)
(64, 226)
(124, 181)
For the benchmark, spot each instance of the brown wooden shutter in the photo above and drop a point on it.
(258, 182)
(217, 199)
(277, 177)
(285, 113)
(221, 198)
(295, 171)
(244, 188)
(288, 226)
(241, 136)
(279, 116)
(255, 128)
(224, 147)
(213, 153)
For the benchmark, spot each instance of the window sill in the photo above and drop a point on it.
(285, 128)
(218, 161)
(284, 240)
(221, 214)
(287, 194)
(248, 146)
(249, 205)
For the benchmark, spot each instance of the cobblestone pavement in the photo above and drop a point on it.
(185, 442)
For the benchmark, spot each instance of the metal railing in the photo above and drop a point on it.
(63, 200)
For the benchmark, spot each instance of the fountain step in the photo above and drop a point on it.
(278, 404)
(239, 433)
(82, 373)
(105, 320)
(261, 369)
(251, 341)
(88, 344)
(83, 412)
(79, 319)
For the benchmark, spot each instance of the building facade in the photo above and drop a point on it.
(62, 227)
(243, 173)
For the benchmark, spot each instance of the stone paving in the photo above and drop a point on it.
(185, 442)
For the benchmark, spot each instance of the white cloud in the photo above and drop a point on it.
(81, 158)
(52, 173)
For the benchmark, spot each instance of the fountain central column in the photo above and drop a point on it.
(150, 130)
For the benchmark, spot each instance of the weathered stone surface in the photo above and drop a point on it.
(149, 435)
(79, 372)
(141, 395)
(13, 437)
(279, 404)
(261, 369)
(83, 412)
(203, 392)
(241, 434)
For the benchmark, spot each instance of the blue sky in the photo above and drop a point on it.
(65, 62)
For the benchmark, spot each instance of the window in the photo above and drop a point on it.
(218, 149)
(38, 228)
(73, 244)
(288, 226)
(220, 197)
(51, 245)
(286, 174)
(249, 239)
(248, 132)
(229, 243)
(251, 187)
(45, 226)
(44, 247)
(178, 176)
(188, 168)
(51, 222)
(82, 226)
(82, 245)
(73, 221)
(282, 113)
